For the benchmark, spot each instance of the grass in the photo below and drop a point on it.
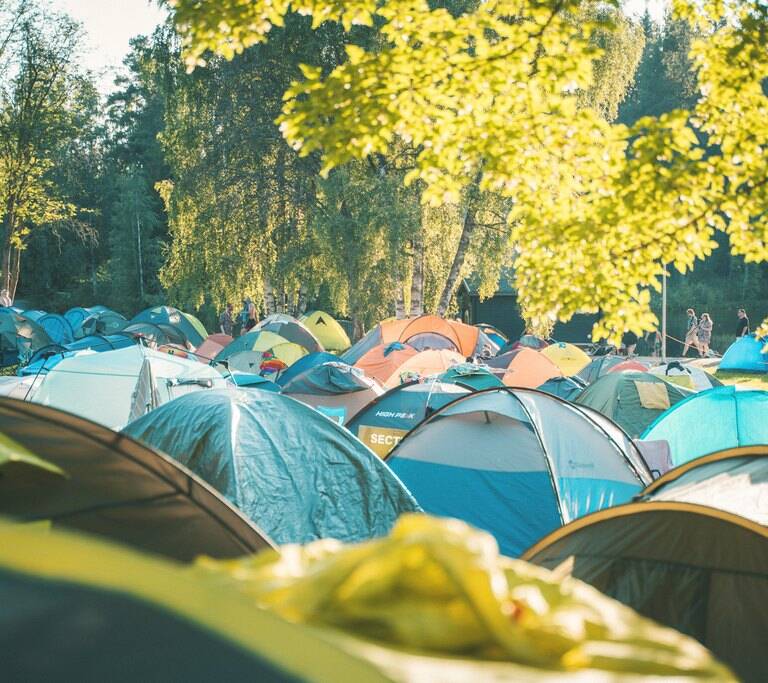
(752, 380)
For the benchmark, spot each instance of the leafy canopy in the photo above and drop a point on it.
(598, 209)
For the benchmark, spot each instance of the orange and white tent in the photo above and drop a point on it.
(424, 364)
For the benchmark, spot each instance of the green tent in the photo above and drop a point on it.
(633, 400)
(78, 609)
(291, 470)
(472, 377)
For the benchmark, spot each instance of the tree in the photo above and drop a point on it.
(598, 208)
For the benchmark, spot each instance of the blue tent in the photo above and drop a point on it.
(251, 381)
(746, 353)
(712, 420)
(47, 357)
(517, 463)
(295, 473)
(76, 315)
(384, 422)
(306, 363)
(569, 388)
(57, 327)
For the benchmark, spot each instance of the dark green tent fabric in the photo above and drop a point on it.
(472, 377)
(191, 328)
(294, 472)
(329, 379)
(633, 400)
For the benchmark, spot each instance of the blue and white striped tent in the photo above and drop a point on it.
(518, 463)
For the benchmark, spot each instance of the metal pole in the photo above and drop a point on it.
(664, 315)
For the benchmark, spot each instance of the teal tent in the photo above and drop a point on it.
(472, 377)
(746, 354)
(598, 367)
(193, 330)
(291, 470)
(712, 420)
(102, 321)
(20, 337)
(569, 388)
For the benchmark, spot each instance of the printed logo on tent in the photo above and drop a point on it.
(320, 321)
(381, 440)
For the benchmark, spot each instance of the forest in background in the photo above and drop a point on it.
(180, 188)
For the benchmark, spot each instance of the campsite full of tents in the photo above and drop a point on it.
(358, 511)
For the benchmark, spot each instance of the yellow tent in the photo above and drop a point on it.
(327, 330)
(569, 358)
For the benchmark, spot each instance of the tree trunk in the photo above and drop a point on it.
(301, 302)
(417, 283)
(15, 271)
(458, 259)
(400, 300)
(269, 298)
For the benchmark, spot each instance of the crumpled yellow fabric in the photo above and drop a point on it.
(440, 586)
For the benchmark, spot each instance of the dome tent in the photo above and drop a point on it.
(190, 328)
(298, 475)
(517, 463)
(261, 352)
(306, 363)
(712, 420)
(19, 338)
(734, 480)
(494, 334)
(569, 388)
(701, 571)
(424, 364)
(327, 331)
(57, 327)
(335, 389)
(45, 358)
(524, 367)
(629, 365)
(598, 367)
(472, 377)
(291, 329)
(381, 362)
(113, 487)
(383, 423)
(687, 376)
(212, 346)
(747, 354)
(569, 358)
(106, 387)
(633, 400)
(158, 334)
(102, 322)
(78, 609)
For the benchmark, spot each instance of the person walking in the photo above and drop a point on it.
(226, 322)
(242, 318)
(742, 323)
(691, 332)
(252, 317)
(705, 334)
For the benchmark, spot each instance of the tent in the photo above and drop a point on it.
(524, 367)
(306, 363)
(493, 333)
(189, 327)
(103, 387)
(569, 358)
(516, 463)
(108, 485)
(261, 352)
(470, 376)
(629, 365)
(45, 358)
(57, 327)
(633, 400)
(710, 421)
(19, 338)
(699, 570)
(212, 346)
(291, 329)
(424, 332)
(17, 387)
(747, 354)
(327, 331)
(598, 367)
(569, 388)
(158, 334)
(382, 424)
(734, 480)
(76, 608)
(294, 472)
(424, 364)
(337, 390)
(381, 362)
(250, 381)
(102, 322)
(528, 341)
(687, 376)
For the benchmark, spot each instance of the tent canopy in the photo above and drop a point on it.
(111, 486)
(103, 386)
(75, 608)
(733, 480)
(569, 388)
(103, 322)
(598, 367)
(382, 361)
(569, 358)
(424, 364)
(699, 570)
(57, 327)
(261, 352)
(516, 463)
(189, 327)
(713, 420)
(524, 367)
(686, 376)
(633, 400)
(327, 331)
(297, 474)
(212, 346)
(19, 338)
(629, 365)
(306, 363)
(382, 424)
(290, 329)
(493, 333)
(472, 377)
(746, 353)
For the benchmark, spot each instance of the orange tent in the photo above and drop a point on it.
(629, 366)
(525, 368)
(210, 348)
(430, 331)
(382, 361)
(425, 364)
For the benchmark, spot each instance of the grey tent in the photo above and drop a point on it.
(699, 570)
(70, 472)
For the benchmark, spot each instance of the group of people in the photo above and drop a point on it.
(698, 333)
(245, 320)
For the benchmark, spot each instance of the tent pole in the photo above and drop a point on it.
(664, 315)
